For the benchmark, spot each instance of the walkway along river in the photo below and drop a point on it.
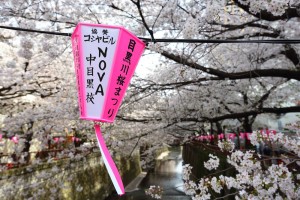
(167, 174)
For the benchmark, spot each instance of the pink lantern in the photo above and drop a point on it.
(15, 139)
(200, 138)
(75, 139)
(227, 136)
(231, 136)
(248, 136)
(105, 58)
(221, 136)
(56, 139)
(209, 137)
(242, 135)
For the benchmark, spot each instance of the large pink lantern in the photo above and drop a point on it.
(105, 59)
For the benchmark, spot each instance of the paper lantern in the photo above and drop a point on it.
(231, 136)
(221, 136)
(15, 139)
(105, 59)
(248, 136)
(242, 135)
(56, 139)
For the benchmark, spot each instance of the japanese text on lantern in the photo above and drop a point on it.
(99, 46)
(122, 77)
(91, 72)
(77, 68)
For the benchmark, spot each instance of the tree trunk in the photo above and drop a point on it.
(247, 126)
(211, 128)
(219, 128)
(28, 138)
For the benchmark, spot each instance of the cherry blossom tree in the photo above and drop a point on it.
(251, 77)
(250, 74)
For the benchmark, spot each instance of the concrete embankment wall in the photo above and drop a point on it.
(75, 179)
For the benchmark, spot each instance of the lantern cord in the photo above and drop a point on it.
(35, 31)
(148, 40)
(216, 41)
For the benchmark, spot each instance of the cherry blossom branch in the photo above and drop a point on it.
(266, 15)
(138, 4)
(256, 73)
(215, 119)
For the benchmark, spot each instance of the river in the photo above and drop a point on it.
(167, 173)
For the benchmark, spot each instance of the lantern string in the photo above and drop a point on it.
(170, 40)
(35, 31)
(108, 161)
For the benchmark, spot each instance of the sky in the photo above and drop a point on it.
(147, 64)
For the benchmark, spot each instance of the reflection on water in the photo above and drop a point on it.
(167, 174)
(166, 166)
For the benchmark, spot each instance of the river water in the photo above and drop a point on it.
(167, 174)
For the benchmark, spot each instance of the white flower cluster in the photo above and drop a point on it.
(155, 47)
(226, 145)
(254, 179)
(276, 7)
(154, 191)
(200, 190)
(212, 163)
(191, 27)
(216, 185)
(186, 171)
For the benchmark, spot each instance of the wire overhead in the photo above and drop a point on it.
(270, 41)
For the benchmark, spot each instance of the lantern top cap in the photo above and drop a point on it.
(107, 26)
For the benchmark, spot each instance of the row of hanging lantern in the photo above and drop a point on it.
(232, 136)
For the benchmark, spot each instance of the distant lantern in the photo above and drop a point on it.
(105, 59)
(15, 139)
